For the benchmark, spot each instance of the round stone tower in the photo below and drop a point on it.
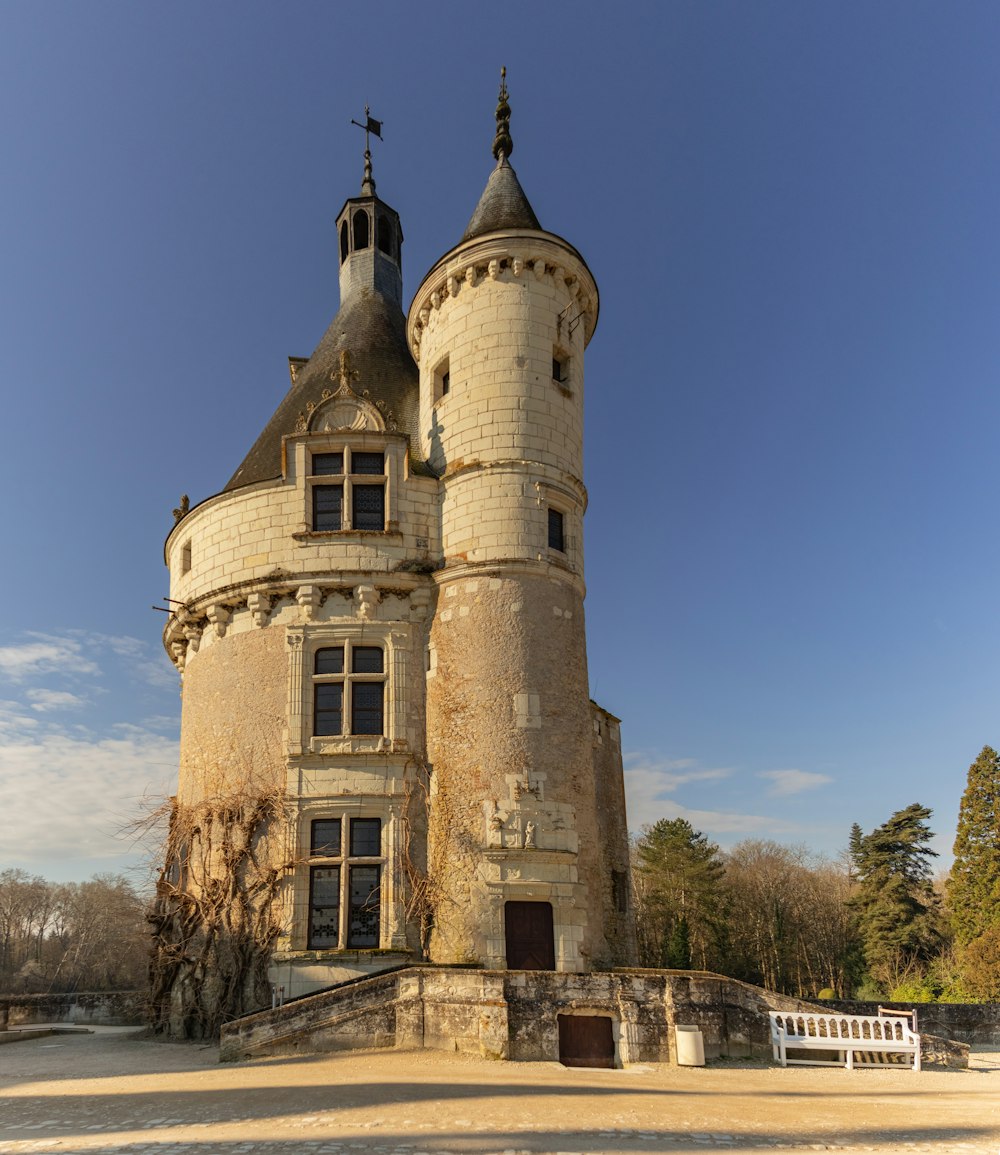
(526, 870)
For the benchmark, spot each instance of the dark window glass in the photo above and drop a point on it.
(326, 838)
(327, 500)
(368, 463)
(329, 712)
(557, 369)
(361, 229)
(363, 922)
(366, 708)
(343, 242)
(324, 907)
(366, 837)
(366, 660)
(369, 507)
(385, 231)
(325, 464)
(330, 661)
(556, 540)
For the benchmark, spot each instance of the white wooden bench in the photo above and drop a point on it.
(860, 1040)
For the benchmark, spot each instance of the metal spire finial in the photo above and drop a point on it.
(375, 126)
(503, 146)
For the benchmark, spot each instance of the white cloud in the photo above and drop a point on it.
(45, 655)
(62, 796)
(650, 782)
(785, 783)
(44, 701)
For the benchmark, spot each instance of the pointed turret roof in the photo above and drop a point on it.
(503, 204)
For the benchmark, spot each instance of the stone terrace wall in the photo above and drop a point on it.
(966, 1022)
(101, 1008)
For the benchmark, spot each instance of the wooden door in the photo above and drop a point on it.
(586, 1041)
(530, 941)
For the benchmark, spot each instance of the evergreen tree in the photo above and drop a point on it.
(679, 874)
(896, 904)
(974, 882)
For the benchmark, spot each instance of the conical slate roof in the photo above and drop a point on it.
(503, 205)
(371, 329)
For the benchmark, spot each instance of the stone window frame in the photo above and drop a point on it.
(347, 443)
(344, 862)
(552, 498)
(349, 678)
(442, 378)
(303, 642)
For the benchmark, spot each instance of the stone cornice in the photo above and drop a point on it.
(504, 256)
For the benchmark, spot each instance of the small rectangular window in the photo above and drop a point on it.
(366, 837)
(557, 369)
(366, 708)
(329, 708)
(366, 660)
(442, 379)
(186, 557)
(327, 505)
(368, 463)
(324, 907)
(445, 384)
(325, 841)
(556, 538)
(363, 921)
(327, 464)
(368, 510)
(330, 660)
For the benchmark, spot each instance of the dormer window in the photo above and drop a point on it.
(357, 499)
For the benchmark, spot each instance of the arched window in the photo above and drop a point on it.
(344, 242)
(386, 236)
(361, 229)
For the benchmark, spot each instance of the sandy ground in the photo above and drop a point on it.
(114, 1092)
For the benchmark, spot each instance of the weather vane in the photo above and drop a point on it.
(371, 125)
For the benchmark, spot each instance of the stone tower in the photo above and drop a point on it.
(527, 841)
(388, 751)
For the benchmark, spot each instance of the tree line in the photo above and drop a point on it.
(872, 924)
(73, 936)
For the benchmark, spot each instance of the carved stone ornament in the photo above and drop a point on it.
(260, 606)
(366, 598)
(219, 616)
(309, 599)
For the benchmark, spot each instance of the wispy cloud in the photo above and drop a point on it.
(45, 701)
(44, 655)
(785, 783)
(91, 789)
(651, 785)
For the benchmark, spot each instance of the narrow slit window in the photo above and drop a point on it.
(557, 538)
(186, 557)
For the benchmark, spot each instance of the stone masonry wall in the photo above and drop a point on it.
(233, 723)
(509, 730)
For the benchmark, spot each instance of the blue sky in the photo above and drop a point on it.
(792, 403)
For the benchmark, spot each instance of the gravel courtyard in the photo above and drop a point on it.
(112, 1091)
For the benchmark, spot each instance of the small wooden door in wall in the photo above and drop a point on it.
(530, 941)
(586, 1041)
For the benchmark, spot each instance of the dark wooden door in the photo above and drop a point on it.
(530, 942)
(586, 1041)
